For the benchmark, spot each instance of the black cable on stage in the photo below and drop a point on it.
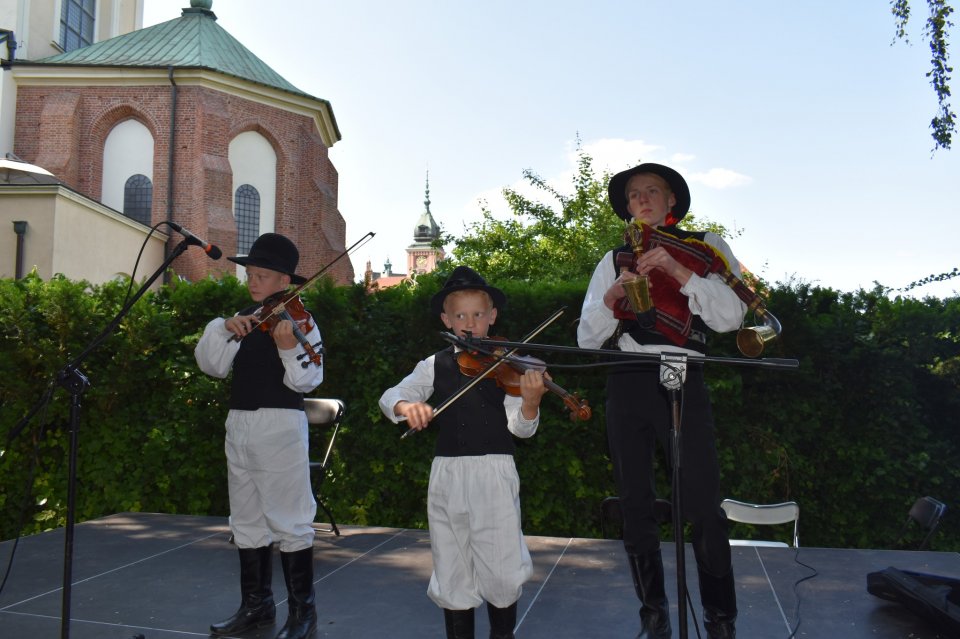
(796, 585)
(34, 460)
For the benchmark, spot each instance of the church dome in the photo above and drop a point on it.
(426, 229)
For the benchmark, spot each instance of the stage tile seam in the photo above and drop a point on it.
(93, 622)
(773, 590)
(106, 572)
(543, 585)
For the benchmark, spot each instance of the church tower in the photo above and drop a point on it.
(422, 257)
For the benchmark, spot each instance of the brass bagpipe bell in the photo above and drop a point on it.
(751, 340)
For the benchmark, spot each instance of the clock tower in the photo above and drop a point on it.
(422, 257)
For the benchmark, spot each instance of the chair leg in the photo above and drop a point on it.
(317, 470)
(333, 524)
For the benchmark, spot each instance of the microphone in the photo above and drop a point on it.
(210, 249)
(463, 342)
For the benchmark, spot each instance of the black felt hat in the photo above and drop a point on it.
(617, 189)
(465, 278)
(275, 252)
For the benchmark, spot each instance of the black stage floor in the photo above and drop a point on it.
(169, 576)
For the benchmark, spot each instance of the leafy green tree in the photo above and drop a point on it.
(934, 30)
(559, 239)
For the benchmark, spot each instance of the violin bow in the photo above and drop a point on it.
(280, 306)
(499, 360)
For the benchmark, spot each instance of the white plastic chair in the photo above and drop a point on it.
(763, 515)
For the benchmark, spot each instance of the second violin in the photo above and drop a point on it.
(507, 375)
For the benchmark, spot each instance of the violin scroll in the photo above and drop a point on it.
(579, 408)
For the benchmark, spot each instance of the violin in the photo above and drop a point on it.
(276, 308)
(508, 376)
(482, 369)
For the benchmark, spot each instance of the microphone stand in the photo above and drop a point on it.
(73, 380)
(673, 370)
(673, 367)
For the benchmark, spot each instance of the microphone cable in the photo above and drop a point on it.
(136, 264)
(28, 493)
(796, 585)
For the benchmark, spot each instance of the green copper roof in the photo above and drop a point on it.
(194, 40)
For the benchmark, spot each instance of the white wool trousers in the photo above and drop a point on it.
(268, 476)
(479, 554)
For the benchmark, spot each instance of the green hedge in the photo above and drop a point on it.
(864, 427)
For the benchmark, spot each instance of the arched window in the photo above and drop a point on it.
(246, 209)
(127, 151)
(138, 198)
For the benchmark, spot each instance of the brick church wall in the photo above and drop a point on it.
(64, 129)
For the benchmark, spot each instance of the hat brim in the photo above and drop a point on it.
(246, 260)
(617, 189)
(498, 297)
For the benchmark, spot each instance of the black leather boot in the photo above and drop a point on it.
(298, 574)
(719, 597)
(256, 596)
(459, 623)
(502, 620)
(647, 573)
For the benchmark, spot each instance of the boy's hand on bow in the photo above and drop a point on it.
(418, 414)
(240, 325)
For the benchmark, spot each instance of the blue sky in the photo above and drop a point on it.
(800, 124)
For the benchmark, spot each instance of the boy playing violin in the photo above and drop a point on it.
(268, 478)
(473, 503)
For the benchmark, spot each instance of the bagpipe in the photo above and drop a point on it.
(657, 303)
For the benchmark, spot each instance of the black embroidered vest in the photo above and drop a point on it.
(476, 423)
(258, 375)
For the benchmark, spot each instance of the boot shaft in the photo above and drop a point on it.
(298, 576)
(502, 620)
(257, 608)
(719, 598)
(266, 569)
(458, 623)
(256, 573)
(647, 572)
